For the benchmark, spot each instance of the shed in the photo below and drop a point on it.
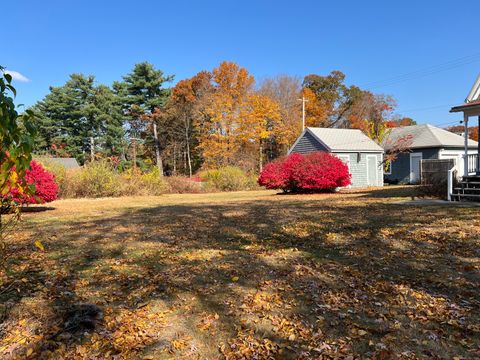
(362, 155)
(427, 142)
(67, 163)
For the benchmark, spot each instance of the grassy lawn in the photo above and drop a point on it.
(244, 275)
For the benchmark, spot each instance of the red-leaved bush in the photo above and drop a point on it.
(43, 182)
(311, 172)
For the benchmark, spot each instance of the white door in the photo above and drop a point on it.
(415, 159)
(372, 170)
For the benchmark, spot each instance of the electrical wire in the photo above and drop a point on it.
(434, 69)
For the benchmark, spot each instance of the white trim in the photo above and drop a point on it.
(314, 136)
(415, 154)
(327, 148)
(368, 171)
(296, 142)
(319, 140)
(458, 155)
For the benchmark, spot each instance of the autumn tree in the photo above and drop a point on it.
(372, 113)
(315, 110)
(286, 91)
(218, 140)
(336, 98)
(259, 119)
(185, 109)
(460, 129)
(142, 91)
(400, 121)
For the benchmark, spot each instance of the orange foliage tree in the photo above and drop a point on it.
(219, 136)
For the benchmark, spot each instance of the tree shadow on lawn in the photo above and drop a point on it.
(35, 209)
(277, 278)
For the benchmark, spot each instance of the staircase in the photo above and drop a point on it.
(467, 189)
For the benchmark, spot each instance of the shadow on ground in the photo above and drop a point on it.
(290, 277)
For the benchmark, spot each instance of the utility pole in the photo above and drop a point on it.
(303, 100)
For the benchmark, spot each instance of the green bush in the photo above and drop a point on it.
(95, 179)
(150, 183)
(228, 178)
(100, 179)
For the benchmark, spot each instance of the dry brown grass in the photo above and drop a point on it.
(248, 274)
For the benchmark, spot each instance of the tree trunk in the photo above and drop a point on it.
(157, 150)
(134, 155)
(92, 149)
(260, 156)
(174, 158)
(187, 139)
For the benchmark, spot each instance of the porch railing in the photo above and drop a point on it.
(473, 166)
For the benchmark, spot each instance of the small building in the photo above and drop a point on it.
(425, 142)
(362, 155)
(67, 163)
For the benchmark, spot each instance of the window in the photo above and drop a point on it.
(387, 167)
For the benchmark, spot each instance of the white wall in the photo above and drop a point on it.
(456, 154)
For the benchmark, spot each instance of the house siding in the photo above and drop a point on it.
(359, 169)
(401, 166)
(307, 144)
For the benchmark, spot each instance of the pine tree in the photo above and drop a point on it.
(76, 115)
(143, 92)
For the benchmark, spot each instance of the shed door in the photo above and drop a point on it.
(372, 170)
(415, 159)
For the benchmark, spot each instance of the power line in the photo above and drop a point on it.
(452, 64)
(428, 108)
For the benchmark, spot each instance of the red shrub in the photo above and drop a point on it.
(46, 189)
(311, 172)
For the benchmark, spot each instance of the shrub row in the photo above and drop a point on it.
(100, 179)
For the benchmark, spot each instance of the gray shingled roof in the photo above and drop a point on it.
(426, 136)
(67, 163)
(344, 139)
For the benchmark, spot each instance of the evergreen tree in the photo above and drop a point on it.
(143, 95)
(78, 114)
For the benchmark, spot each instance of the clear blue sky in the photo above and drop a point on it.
(370, 41)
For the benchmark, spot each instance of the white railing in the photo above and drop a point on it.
(452, 173)
(472, 164)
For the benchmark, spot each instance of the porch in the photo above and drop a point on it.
(468, 188)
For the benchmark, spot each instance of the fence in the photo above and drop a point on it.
(434, 177)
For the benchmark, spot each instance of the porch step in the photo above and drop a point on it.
(466, 189)
(467, 195)
(471, 178)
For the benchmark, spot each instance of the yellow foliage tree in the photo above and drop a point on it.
(316, 113)
(260, 116)
(218, 141)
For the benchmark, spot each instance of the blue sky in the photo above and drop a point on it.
(370, 41)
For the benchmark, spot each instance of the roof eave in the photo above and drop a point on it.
(461, 108)
(357, 150)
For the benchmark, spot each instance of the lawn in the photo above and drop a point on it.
(250, 275)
